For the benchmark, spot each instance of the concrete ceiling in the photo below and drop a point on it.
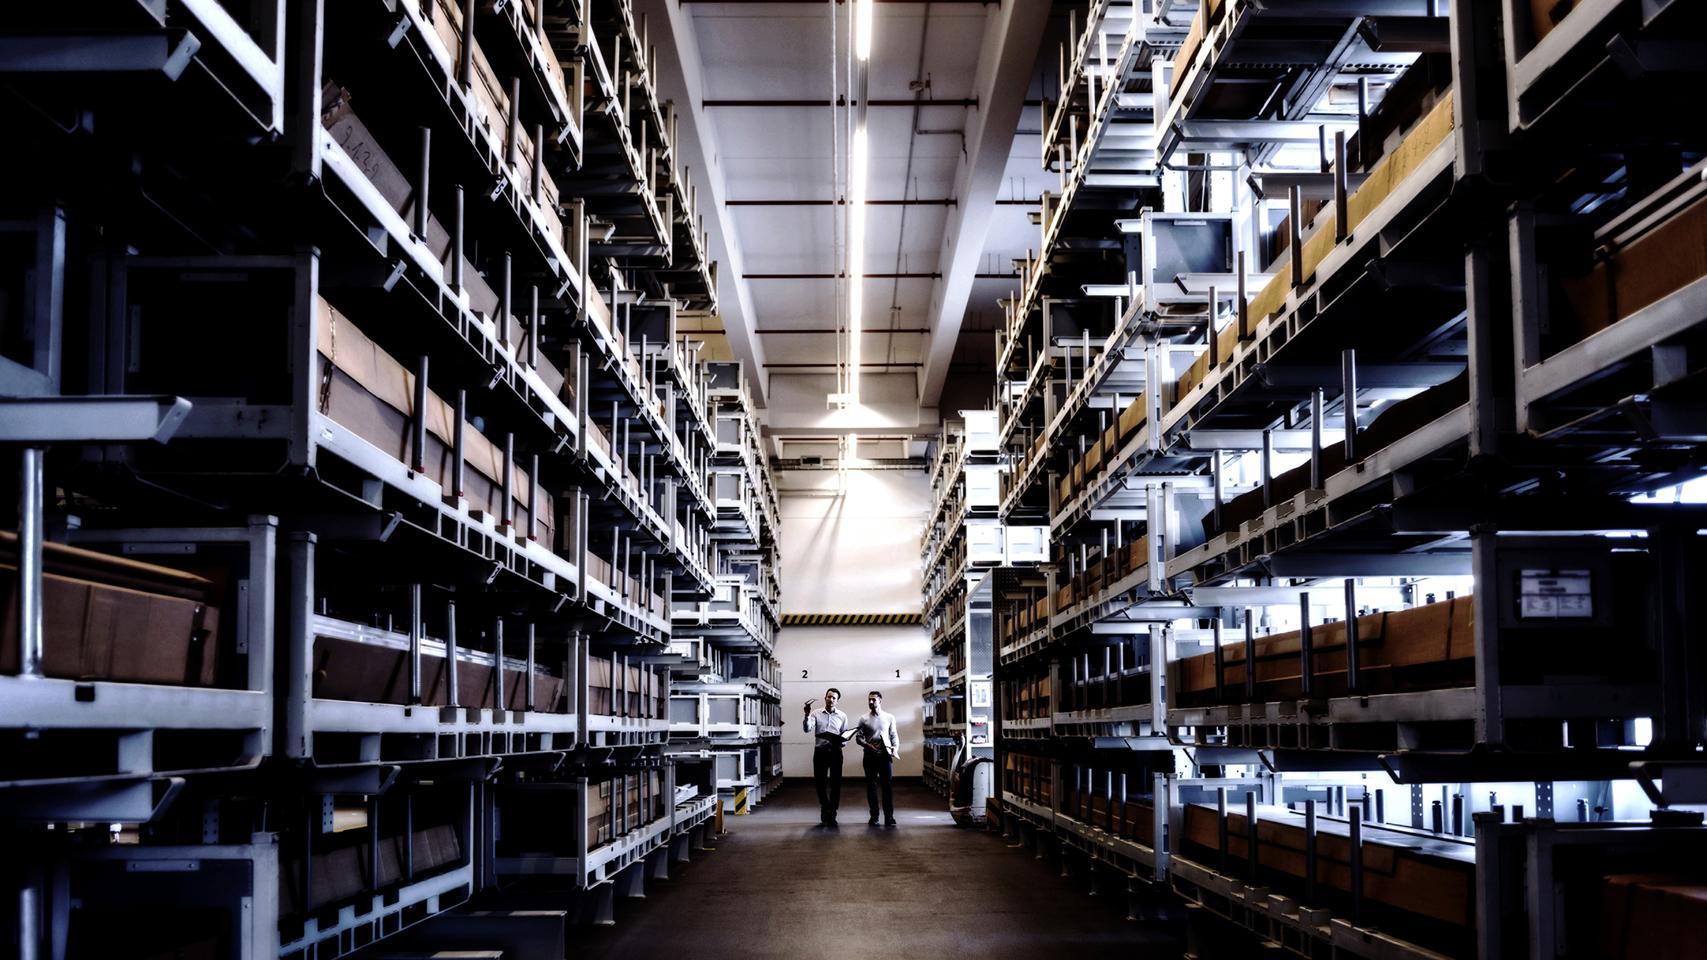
(948, 127)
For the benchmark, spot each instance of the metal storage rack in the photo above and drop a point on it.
(384, 420)
(1428, 534)
(726, 704)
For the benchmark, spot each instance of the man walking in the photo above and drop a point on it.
(829, 728)
(876, 733)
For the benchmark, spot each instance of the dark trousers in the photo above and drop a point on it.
(880, 773)
(827, 777)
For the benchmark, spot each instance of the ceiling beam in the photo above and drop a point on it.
(681, 78)
(872, 276)
(780, 332)
(1006, 62)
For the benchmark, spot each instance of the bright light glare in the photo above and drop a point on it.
(862, 29)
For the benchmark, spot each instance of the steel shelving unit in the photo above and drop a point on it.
(1358, 417)
(349, 371)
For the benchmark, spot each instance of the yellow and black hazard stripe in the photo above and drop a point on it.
(851, 619)
(741, 804)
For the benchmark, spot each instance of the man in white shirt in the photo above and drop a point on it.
(876, 733)
(829, 728)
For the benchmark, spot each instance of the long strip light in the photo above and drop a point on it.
(858, 170)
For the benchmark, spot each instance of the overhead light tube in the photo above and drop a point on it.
(862, 29)
(857, 166)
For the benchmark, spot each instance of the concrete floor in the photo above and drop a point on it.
(779, 885)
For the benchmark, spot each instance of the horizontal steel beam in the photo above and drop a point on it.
(108, 419)
(1370, 565)
(166, 51)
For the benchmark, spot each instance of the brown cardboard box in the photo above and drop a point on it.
(1659, 262)
(1651, 917)
(373, 395)
(92, 631)
(1132, 417)
(1397, 873)
(1544, 15)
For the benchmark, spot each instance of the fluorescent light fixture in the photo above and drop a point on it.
(857, 164)
(862, 28)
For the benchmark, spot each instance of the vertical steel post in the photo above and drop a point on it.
(498, 665)
(453, 691)
(417, 630)
(1306, 650)
(418, 423)
(1351, 654)
(1355, 822)
(1341, 214)
(1348, 385)
(423, 172)
(1220, 662)
(31, 649)
(458, 224)
(1316, 477)
(1250, 657)
(1310, 850)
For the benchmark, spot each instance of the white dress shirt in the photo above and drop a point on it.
(826, 726)
(879, 728)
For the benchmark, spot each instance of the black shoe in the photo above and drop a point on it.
(888, 823)
(872, 821)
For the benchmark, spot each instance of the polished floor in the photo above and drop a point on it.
(780, 885)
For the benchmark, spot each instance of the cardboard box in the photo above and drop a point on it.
(1398, 873)
(1651, 917)
(1544, 15)
(1656, 264)
(371, 394)
(93, 631)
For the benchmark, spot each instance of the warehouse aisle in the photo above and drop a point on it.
(782, 886)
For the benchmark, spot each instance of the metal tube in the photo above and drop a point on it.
(1341, 227)
(29, 916)
(1250, 657)
(1356, 824)
(423, 172)
(1310, 851)
(418, 423)
(459, 449)
(533, 326)
(417, 630)
(1221, 818)
(1220, 663)
(1348, 384)
(1362, 122)
(1380, 806)
(1316, 439)
(529, 689)
(1267, 468)
(31, 649)
(1458, 814)
(537, 183)
(465, 62)
(1295, 235)
(507, 514)
(1214, 341)
(408, 834)
(498, 665)
(1351, 654)
(533, 498)
(458, 224)
(1253, 858)
(1219, 484)
(1244, 305)
(506, 303)
(1440, 817)
(453, 696)
(1306, 651)
(513, 151)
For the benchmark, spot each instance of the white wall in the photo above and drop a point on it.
(852, 548)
